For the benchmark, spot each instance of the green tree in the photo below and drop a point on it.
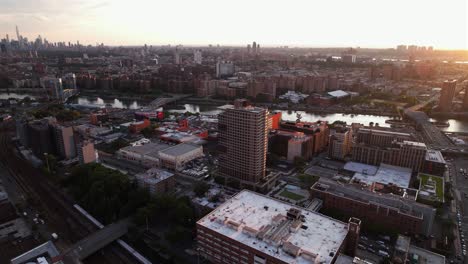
(200, 188)
(307, 180)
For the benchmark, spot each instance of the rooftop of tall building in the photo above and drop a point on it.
(279, 229)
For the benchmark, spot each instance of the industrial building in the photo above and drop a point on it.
(176, 157)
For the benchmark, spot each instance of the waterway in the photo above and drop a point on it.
(455, 125)
(15, 96)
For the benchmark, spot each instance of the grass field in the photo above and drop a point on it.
(291, 195)
(438, 184)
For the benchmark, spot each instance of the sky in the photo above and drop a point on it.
(315, 23)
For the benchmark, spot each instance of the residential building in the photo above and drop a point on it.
(291, 144)
(408, 154)
(86, 152)
(465, 98)
(243, 142)
(319, 132)
(386, 206)
(252, 228)
(380, 137)
(340, 143)
(446, 95)
(53, 86)
(156, 181)
(40, 138)
(64, 140)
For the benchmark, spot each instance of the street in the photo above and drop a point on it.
(459, 181)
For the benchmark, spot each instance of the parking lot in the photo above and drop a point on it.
(199, 168)
(375, 248)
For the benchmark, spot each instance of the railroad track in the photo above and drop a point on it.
(61, 215)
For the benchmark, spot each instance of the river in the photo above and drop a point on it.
(455, 125)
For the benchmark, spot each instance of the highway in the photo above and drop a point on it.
(433, 136)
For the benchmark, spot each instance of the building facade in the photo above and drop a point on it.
(65, 141)
(340, 143)
(407, 154)
(446, 95)
(86, 152)
(385, 206)
(243, 142)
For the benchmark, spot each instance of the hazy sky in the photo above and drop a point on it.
(365, 23)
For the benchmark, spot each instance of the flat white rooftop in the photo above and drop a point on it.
(248, 216)
(387, 174)
(361, 168)
(434, 156)
(153, 176)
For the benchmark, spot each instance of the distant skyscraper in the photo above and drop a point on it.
(18, 34)
(254, 47)
(197, 56)
(446, 95)
(177, 56)
(248, 48)
(243, 142)
(258, 48)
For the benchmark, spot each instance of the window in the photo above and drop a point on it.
(259, 260)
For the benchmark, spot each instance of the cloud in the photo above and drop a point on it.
(99, 5)
(41, 18)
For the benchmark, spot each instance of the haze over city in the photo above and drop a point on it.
(233, 132)
(335, 23)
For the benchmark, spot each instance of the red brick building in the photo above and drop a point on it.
(377, 204)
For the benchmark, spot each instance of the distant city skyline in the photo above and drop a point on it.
(300, 23)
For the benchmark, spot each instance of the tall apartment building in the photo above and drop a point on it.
(407, 154)
(86, 152)
(243, 142)
(40, 137)
(340, 143)
(64, 140)
(251, 228)
(446, 95)
(383, 205)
